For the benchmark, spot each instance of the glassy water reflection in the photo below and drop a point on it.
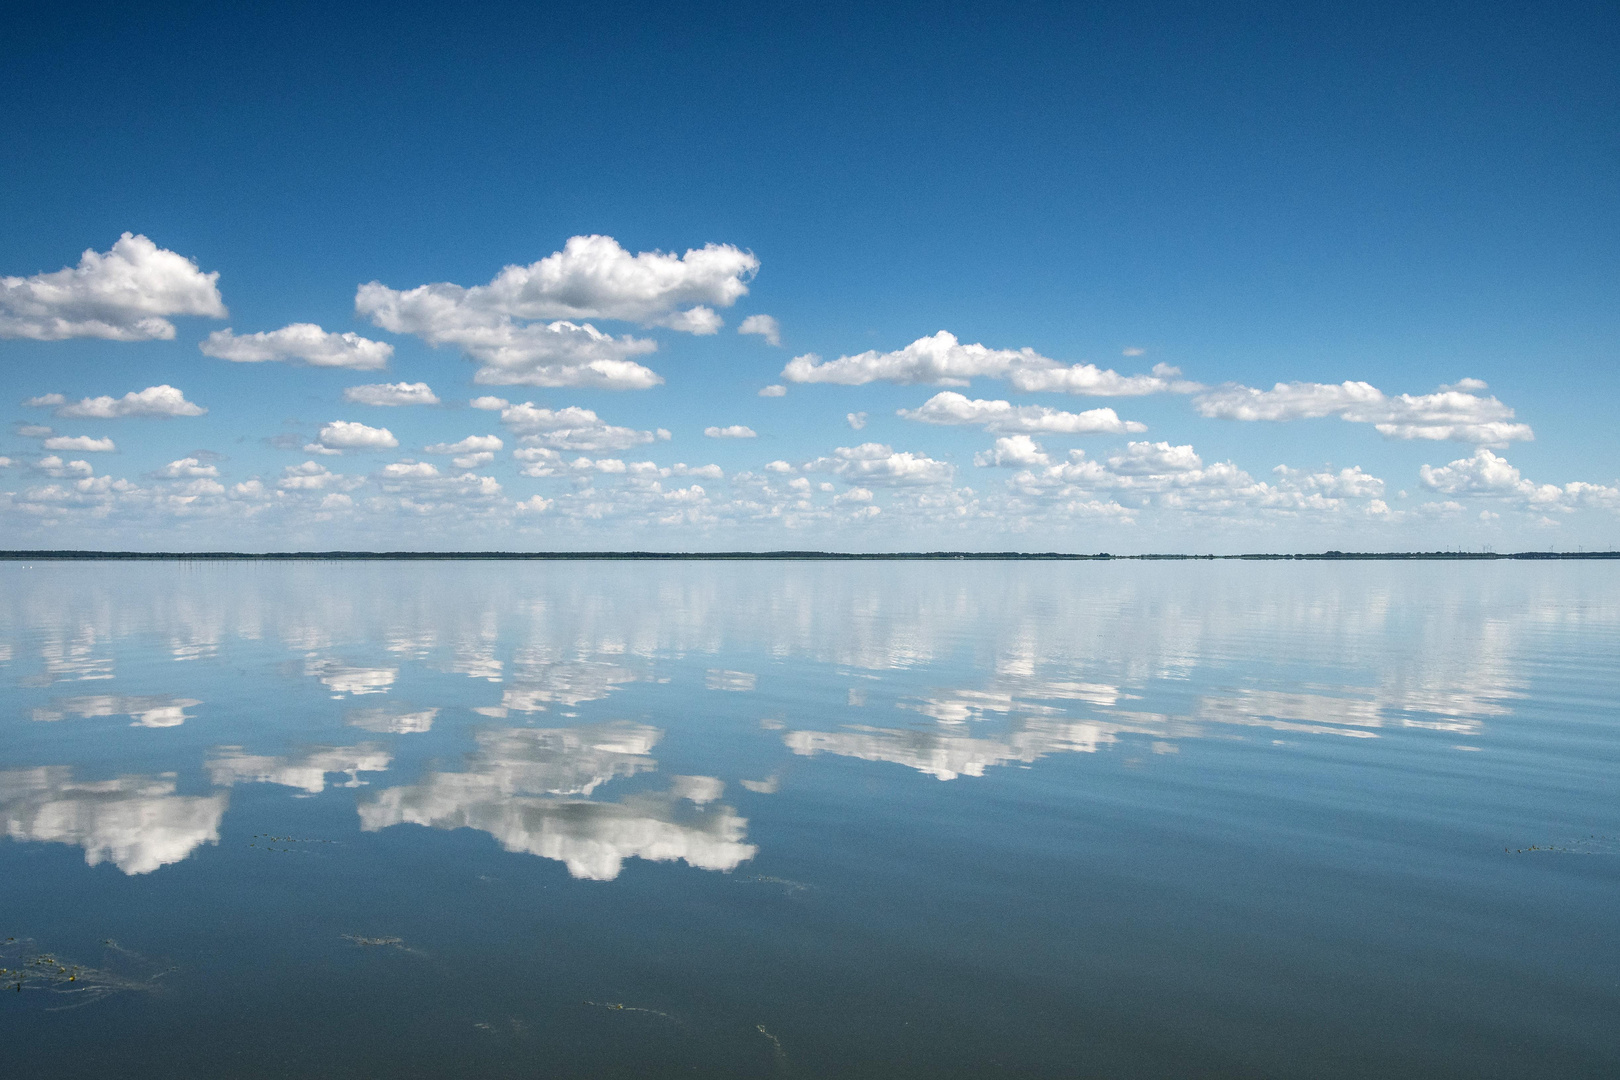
(473, 819)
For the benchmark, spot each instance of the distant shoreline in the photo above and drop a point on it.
(765, 556)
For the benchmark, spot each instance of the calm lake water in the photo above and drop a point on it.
(810, 820)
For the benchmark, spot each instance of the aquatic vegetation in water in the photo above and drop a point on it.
(617, 1007)
(266, 842)
(24, 967)
(776, 1047)
(1591, 844)
(791, 888)
(382, 943)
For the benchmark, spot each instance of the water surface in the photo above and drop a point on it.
(810, 820)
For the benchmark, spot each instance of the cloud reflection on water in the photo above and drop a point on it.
(306, 771)
(144, 710)
(529, 789)
(137, 823)
(959, 670)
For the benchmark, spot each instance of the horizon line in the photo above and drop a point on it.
(786, 555)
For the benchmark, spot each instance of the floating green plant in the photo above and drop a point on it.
(617, 1007)
(1591, 844)
(25, 967)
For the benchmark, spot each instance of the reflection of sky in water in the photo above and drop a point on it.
(137, 823)
(608, 716)
(989, 667)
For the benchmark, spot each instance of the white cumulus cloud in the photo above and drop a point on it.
(944, 361)
(311, 476)
(572, 428)
(556, 354)
(733, 431)
(1013, 451)
(162, 400)
(763, 325)
(594, 278)
(1487, 474)
(773, 390)
(81, 443)
(522, 327)
(1175, 477)
(471, 444)
(349, 435)
(876, 463)
(470, 453)
(185, 468)
(399, 393)
(125, 294)
(304, 342)
(949, 407)
(1456, 412)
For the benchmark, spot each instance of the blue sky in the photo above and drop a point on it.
(1404, 198)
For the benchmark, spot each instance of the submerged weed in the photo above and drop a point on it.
(24, 967)
(1591, 844)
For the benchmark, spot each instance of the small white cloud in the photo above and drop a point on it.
(773, 391)
(410, 470)
(82, 443)
(186, 467)
(1132, 351)
(534, 504)
(1154, 459)
(572, 428)
(123, 295)
(539, 461)
(471, 444)
(399, 393)
(856, 420)
(734, 431)
(763, 325)
(311, 476)
(489, 403)
(1454, 412)
(1482, 473)
(949, 407)
(779, 467)
(1013, 451)
(944, 361)
(703, 472)
(876, 463)
(349, 435)
(555, 354)
(304, 342)
(54, 466)
(162, 400)
(591, 278)
(1487, 474)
